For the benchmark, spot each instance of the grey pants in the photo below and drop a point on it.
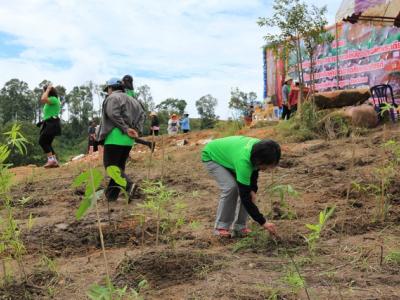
(230, 212)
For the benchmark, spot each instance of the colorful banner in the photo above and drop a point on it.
(364, 56)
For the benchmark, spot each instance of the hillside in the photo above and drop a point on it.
(357, 256)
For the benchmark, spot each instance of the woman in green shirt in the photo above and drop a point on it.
(51, 125)
(234, 163)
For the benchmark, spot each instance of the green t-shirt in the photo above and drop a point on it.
(52, 109)
(232, 152)
(117, 137)
(131, 93)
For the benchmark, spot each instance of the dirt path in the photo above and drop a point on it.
(192, 264)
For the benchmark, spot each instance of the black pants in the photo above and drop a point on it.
(186, 130)
(293, 109)
(115, 155)
(285, 112)
(50, 129)
(154, 131)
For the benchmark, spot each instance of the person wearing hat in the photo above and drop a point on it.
(155, 124)
(173, 125)
(118, 133)
(285, 98)
(185, 123)
(127, 81)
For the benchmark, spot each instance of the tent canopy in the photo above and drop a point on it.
(377, 12)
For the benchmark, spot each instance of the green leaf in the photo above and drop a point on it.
(322, 217)
(115, 173)
(82, 178)
(312, 227)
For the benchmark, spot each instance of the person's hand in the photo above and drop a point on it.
(49, 87)
(132, 133)
(253, 197)
(271, 228)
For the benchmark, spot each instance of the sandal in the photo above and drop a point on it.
(222, 232)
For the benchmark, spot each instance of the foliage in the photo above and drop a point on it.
(92, 179)
(393, 258)
(294, 281)
(11, 245)
(241, 101)
(110, 292)
(158, 199)
(228, 128)
(206, 109)
(172, 106)
(316, 229)
(256, 240)
(145, 97)
(283, 191)
(295, 21)
(16, 102)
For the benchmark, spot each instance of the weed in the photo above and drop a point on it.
(393, 258)
(316, 229)
(110, 292)
(195, 225)
(294, 281)
(268, 293)
(257, 239)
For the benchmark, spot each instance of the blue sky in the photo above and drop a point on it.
(182, 49)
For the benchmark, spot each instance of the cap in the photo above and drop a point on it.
(128, 78)
(113, 82)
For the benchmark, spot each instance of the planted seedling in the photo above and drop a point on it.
(283, 192)
(11, 245)
(158, 197)
(92, 179)
(312, 239)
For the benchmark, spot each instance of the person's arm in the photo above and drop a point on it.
(45, 96)
(245, 193)
(253, 181)
(249, 205)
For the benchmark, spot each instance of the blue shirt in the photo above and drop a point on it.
(185, 124)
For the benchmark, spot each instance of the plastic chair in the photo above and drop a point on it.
(381, 97)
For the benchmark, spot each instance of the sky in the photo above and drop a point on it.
(182, 49)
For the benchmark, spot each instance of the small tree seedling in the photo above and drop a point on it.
(316, 229)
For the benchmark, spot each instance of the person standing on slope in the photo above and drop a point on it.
(51, 124)
(185, 123)
(119, 115)
(129, 90)
(234, 162)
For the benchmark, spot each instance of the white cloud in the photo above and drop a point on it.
(182, 49)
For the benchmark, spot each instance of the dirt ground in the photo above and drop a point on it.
(189, 262)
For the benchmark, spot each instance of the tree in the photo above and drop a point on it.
(145, 97)
(16, 102)
(173, 106)
(295, 20)
(80, 100)
(241, 101)
(206, 109)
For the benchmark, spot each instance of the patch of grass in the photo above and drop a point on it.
(257, 240)
(393, 258)
(294, 281)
